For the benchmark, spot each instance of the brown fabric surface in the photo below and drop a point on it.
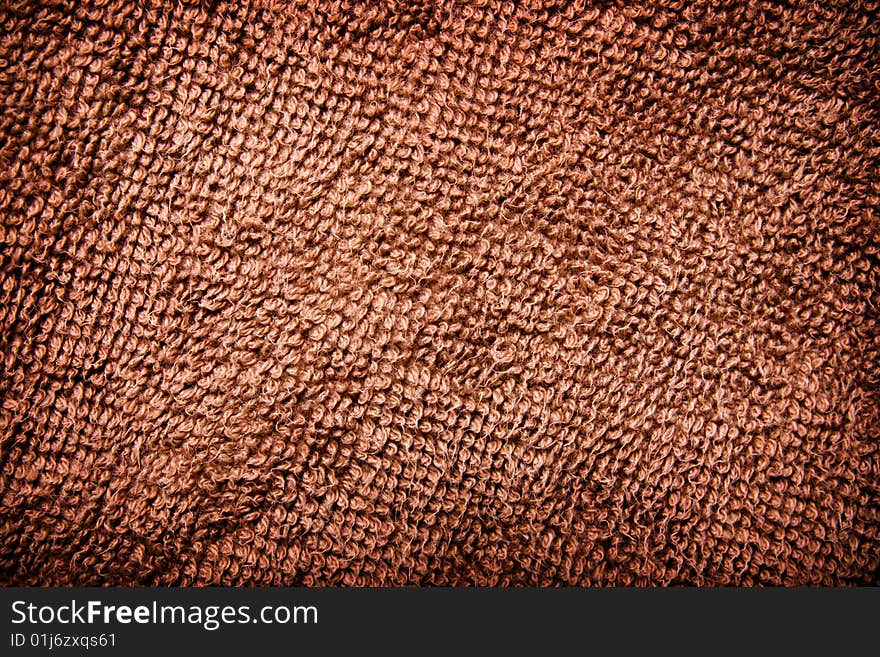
(439, 293)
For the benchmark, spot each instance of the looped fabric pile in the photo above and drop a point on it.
(453, 293)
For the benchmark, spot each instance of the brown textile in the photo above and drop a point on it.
(439, 293)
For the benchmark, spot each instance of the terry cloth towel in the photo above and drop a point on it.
(439, 292)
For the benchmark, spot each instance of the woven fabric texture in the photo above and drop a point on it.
(493, 293)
